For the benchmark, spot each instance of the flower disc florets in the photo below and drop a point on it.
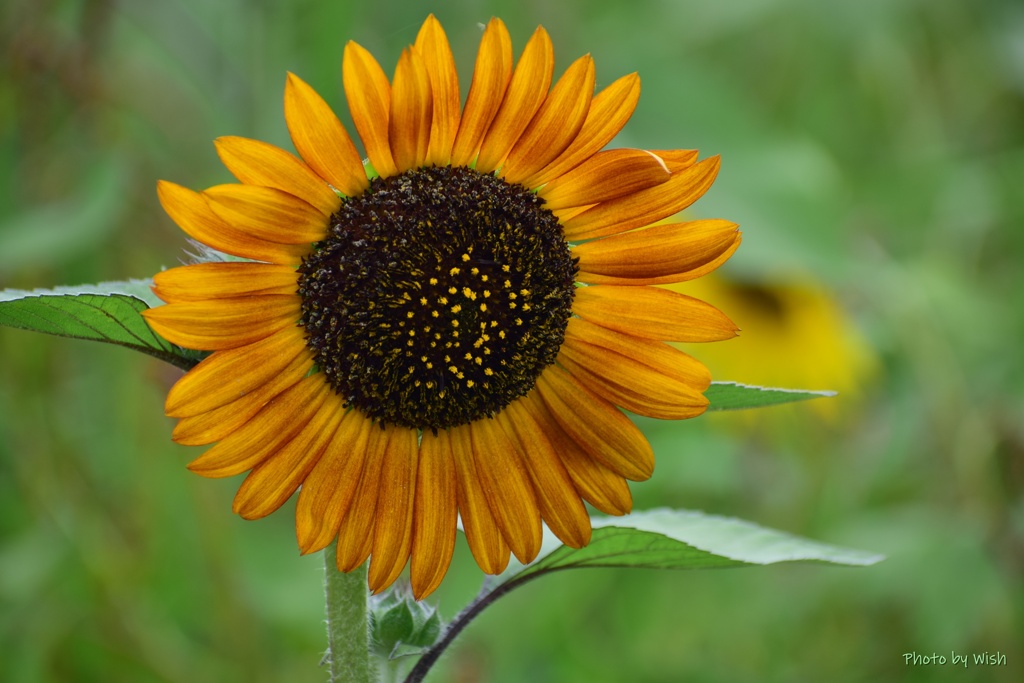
(438, 297)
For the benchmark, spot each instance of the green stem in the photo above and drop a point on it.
(348, 643)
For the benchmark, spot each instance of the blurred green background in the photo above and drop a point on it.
(873, 153)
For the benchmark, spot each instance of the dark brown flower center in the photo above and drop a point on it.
(438, 297)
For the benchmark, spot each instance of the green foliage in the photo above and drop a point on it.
(735, 396)
(400, 625)
(93, 312)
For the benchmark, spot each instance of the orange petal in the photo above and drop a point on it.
(432, 46)
(596, 425)
(646, 206)
(201, 281)
(609, 112)
(646, 377)
(224, 323)
(490, 80)
(555, 125)
(559, 503)
(411, 111)
(392, 539)
(663, 253)
(321, 139)
(597, 484)
(328, 491)
(507, 488)
(216, 424)
(228, 375)
(258, 163)
(526, 92)
(677, 159)
(355, 533)
(369, 101)
(435, 515)
(191, 211)
(652, 313)
(274, 480)
(275, 425)
(605, 176)
(486, 543)
(268, 214)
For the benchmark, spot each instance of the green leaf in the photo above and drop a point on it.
(654, 539)
(685, 539)
(736, 396)
(109, 312)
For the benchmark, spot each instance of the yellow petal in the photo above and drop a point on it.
(435, 515)
(609, 112)
(559, 503)
(268, 214)
(411, 111)
(596, 425)
(216, 424)
(275, 425)
(321, 139)
(258, 163)
(526, 92)
(191, 211)
(432, 46)
(646, 377)
(652, 313)
(224, 323)
(507, 488)
(646, 206)
(677, 159)
(605, 176)
(369, 101)
(201, 281)
(490, 80)
(486, 543)
(355, 533)
(274, 480)
(392, 538)
(597, 484)
(328, 491)
(227, 375)
(556, 124)
(662, 253)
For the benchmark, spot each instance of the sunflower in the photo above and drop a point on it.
(450, 328)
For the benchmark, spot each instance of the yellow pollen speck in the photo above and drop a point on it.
(410, 343)
(447, 358)
(430, 366)
(519, 321)
(455, 323)
(470, 383)
(467, 292)
(460, 375)
(524, 292)
(433, 344)
(478, 360)
(430, 384)
(405, 295)
(501, 334)
(494, 323)
(456, 308)
(441, 394)
(505, 268)
(508, 283)
(442, 300)
(453, 369)
(474, 271)
(483, 307)
(468, 356)
(409, 314)
(416, 383)
(487, 293)
(435, 314)
(488, 372)
(411, 369)
(465, 257)
(412, 333)
(483, 278)
(433, 280)
(454, 271)
(526, 307)
(512, 304)
(423, 300)
(487, 351)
